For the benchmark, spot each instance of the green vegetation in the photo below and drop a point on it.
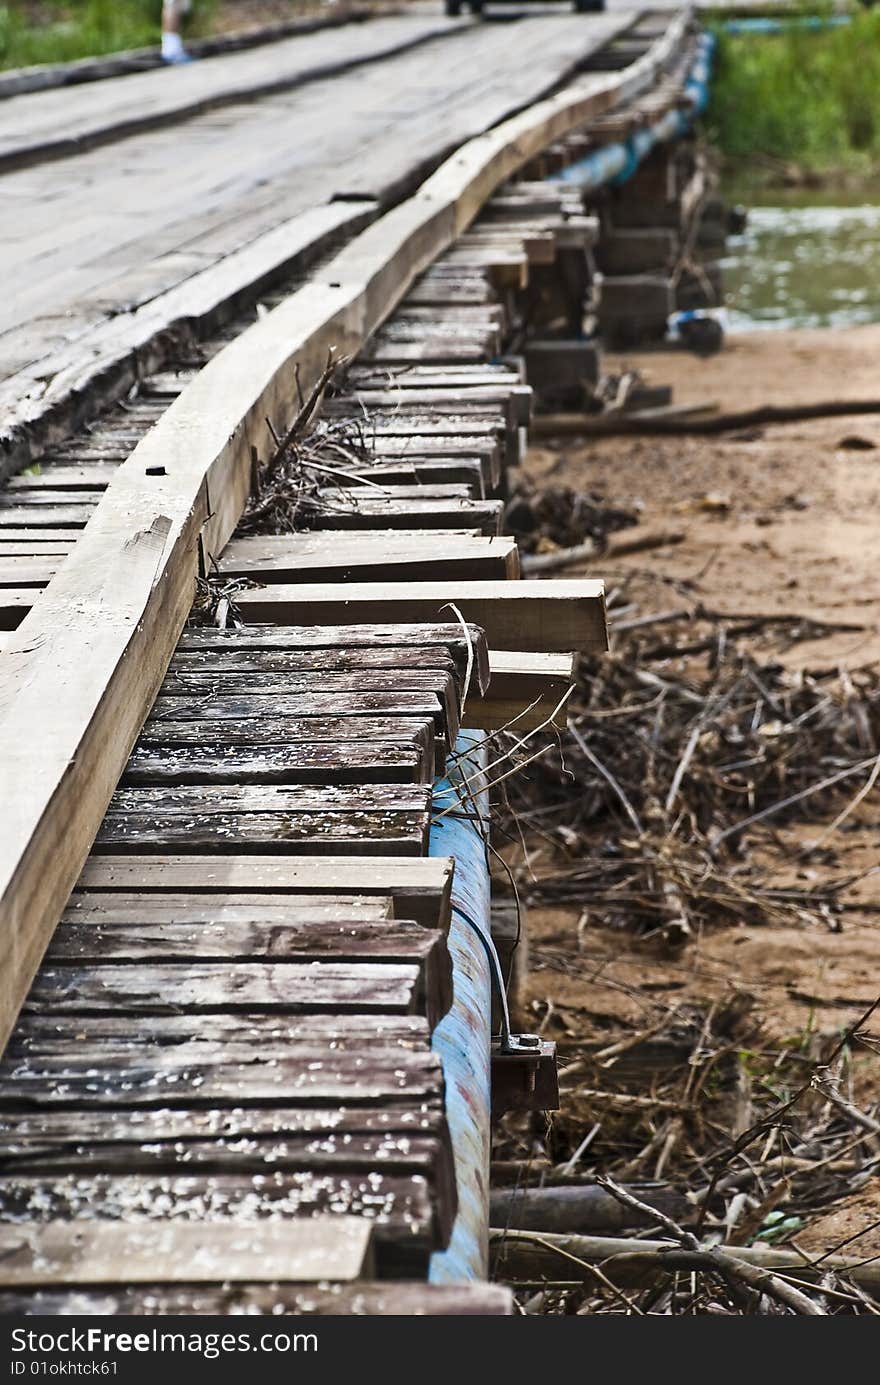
(60, 30)
(804, 97)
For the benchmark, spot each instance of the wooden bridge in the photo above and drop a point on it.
(248, 606)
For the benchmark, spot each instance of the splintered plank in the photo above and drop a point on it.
(368, 556)
(406, 1226)
(420, 888)
(329, 1300)
(294, 987)
(306, 762)
(210, 1251)
(543, 617)
(420, 641)
(526, 689)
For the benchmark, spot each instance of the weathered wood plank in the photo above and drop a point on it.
(206, 1252)
(305, 762)
(40, 1034)
(129, 579)
(423, 642)
(57, 1127)
(296, 987)
(420, 889)
(333, 1300)
(526, 689)
(335, 556)
(310, 833)
(309, 1077)
(404, 943)
(532, 616)
(405, 1222)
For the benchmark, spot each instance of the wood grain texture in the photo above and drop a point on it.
(113, 1253)
(537, 616)
(420, 889)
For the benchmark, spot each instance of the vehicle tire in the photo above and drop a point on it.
(453, 8)
(476, 7)
(588, 6)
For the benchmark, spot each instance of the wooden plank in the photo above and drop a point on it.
(23, 1130)
(406, 1223)
(367, 511)
(420, 889)
(410, 1156)
(69, 121)
(424, 642)
(531, 616)
(92, 943)
(295, 663)
(39, 1034)
(98, 643)
(170, 907)
(438, 683)
(306, 762)
(285, 834)
(308, 1077)
(403, 942)
(339, 556)
(301, 705)
(101, 1252)
(201, 987)
(331, 1300)
(526, 689)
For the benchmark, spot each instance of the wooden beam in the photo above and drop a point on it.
(545, 617)
(525, 689)
(106, 1252)
(420, 888)
(337, 555)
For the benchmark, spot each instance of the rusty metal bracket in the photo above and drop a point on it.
(524, 1076)
(526, 1080)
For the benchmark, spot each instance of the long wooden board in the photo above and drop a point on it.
(537, 616)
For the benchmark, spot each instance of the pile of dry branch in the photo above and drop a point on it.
(691, 1149)
(671, 775)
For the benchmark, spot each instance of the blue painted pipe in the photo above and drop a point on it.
(462, 1039)
(615, 163)
(763, 24)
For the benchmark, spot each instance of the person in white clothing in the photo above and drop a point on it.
(173, 50)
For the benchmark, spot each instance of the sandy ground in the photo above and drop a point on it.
(781, 519)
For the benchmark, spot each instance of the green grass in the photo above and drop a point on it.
(60, 30)
(809, 98)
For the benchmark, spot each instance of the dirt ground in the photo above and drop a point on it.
(775, 519)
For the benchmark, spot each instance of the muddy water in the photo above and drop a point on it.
(805, 263)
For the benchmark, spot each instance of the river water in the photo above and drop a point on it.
(804, 261)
